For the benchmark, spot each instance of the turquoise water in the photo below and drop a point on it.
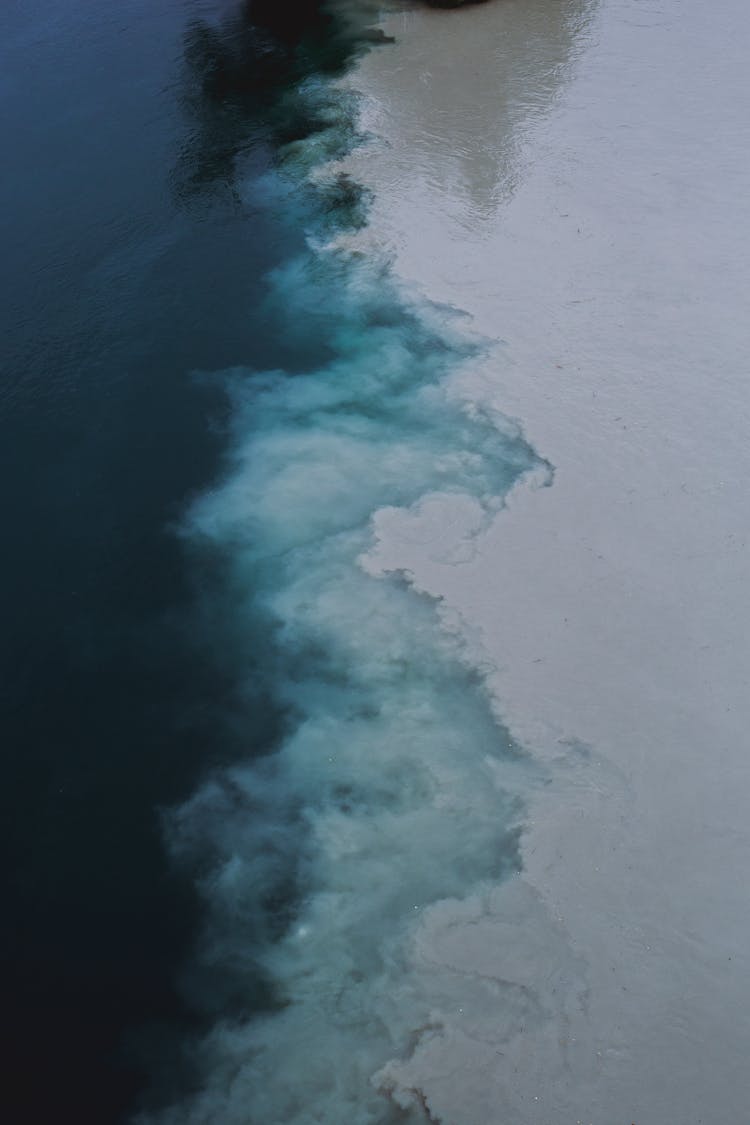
(243, 759)
(383, 789)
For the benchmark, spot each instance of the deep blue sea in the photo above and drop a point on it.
(129, 263)
(199, 411)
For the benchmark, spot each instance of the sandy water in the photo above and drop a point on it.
(574, 176)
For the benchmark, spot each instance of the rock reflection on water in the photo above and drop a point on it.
(467, 138)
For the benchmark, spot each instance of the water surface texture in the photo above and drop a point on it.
(375, 436)
(245, 756)
(131, 262)
(609, 253)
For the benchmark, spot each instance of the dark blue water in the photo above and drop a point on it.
(221, 731)
(130, 261)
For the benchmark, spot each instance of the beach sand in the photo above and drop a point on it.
(573, 175)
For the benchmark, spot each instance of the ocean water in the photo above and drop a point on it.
(243, 756)
(374, 425)
(575, 177)
(130, 263)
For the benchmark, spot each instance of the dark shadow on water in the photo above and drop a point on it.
(241, 76)
(117, 698)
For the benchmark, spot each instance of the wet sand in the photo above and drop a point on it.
(574, 176)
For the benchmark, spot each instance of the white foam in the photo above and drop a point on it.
(394, 786)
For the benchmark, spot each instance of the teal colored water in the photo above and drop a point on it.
(129, 263)
(238, 757)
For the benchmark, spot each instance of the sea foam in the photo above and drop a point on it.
(391, 786)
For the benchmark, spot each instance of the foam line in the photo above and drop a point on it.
(391, 787)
